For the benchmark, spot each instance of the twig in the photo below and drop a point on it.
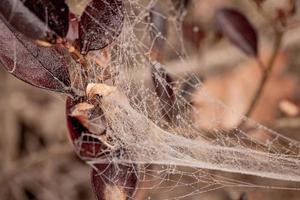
(266, 70)
(34, 160)
(266, 73)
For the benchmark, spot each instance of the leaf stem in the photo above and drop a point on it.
(266, 72)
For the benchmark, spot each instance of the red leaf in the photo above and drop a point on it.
(39, 66)
(236, 27)
(100, 24)
(114, 181)
(37, 19)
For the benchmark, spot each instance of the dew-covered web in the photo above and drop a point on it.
(175, 149)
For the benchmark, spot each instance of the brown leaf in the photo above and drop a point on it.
(79, 114)
(163, 85)
(115, 181)
(236, 27)
(82, 112)
(158, 26)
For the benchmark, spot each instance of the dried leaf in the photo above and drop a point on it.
(236, 27)
(100, 24)
(163, 85)
(114, 181)
(37, 19)
(94, 89)
(79, 114)
(39, 66)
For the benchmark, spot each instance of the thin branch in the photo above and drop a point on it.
(266, 73)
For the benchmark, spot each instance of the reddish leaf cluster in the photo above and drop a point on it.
(44, 20)
(22, 22)
(111, 180)
(25, 25)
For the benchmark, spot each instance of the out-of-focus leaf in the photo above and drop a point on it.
(293, 8)
(181, 5)
(236, 27)
(78, 120)
(158, 26)
(39, 66)
(100, 24)
(115, 181)
(37, 19)
(163, 85)
(243, 196)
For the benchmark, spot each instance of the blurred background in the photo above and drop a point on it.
(37, 160)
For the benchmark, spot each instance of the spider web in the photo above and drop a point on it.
(182, 157)
(178, 158)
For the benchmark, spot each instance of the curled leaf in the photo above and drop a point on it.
(84, 131)
(81, 112)
(100, 24)
(39, 66)
(236, 27)
(37, 19)
(115, 181)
